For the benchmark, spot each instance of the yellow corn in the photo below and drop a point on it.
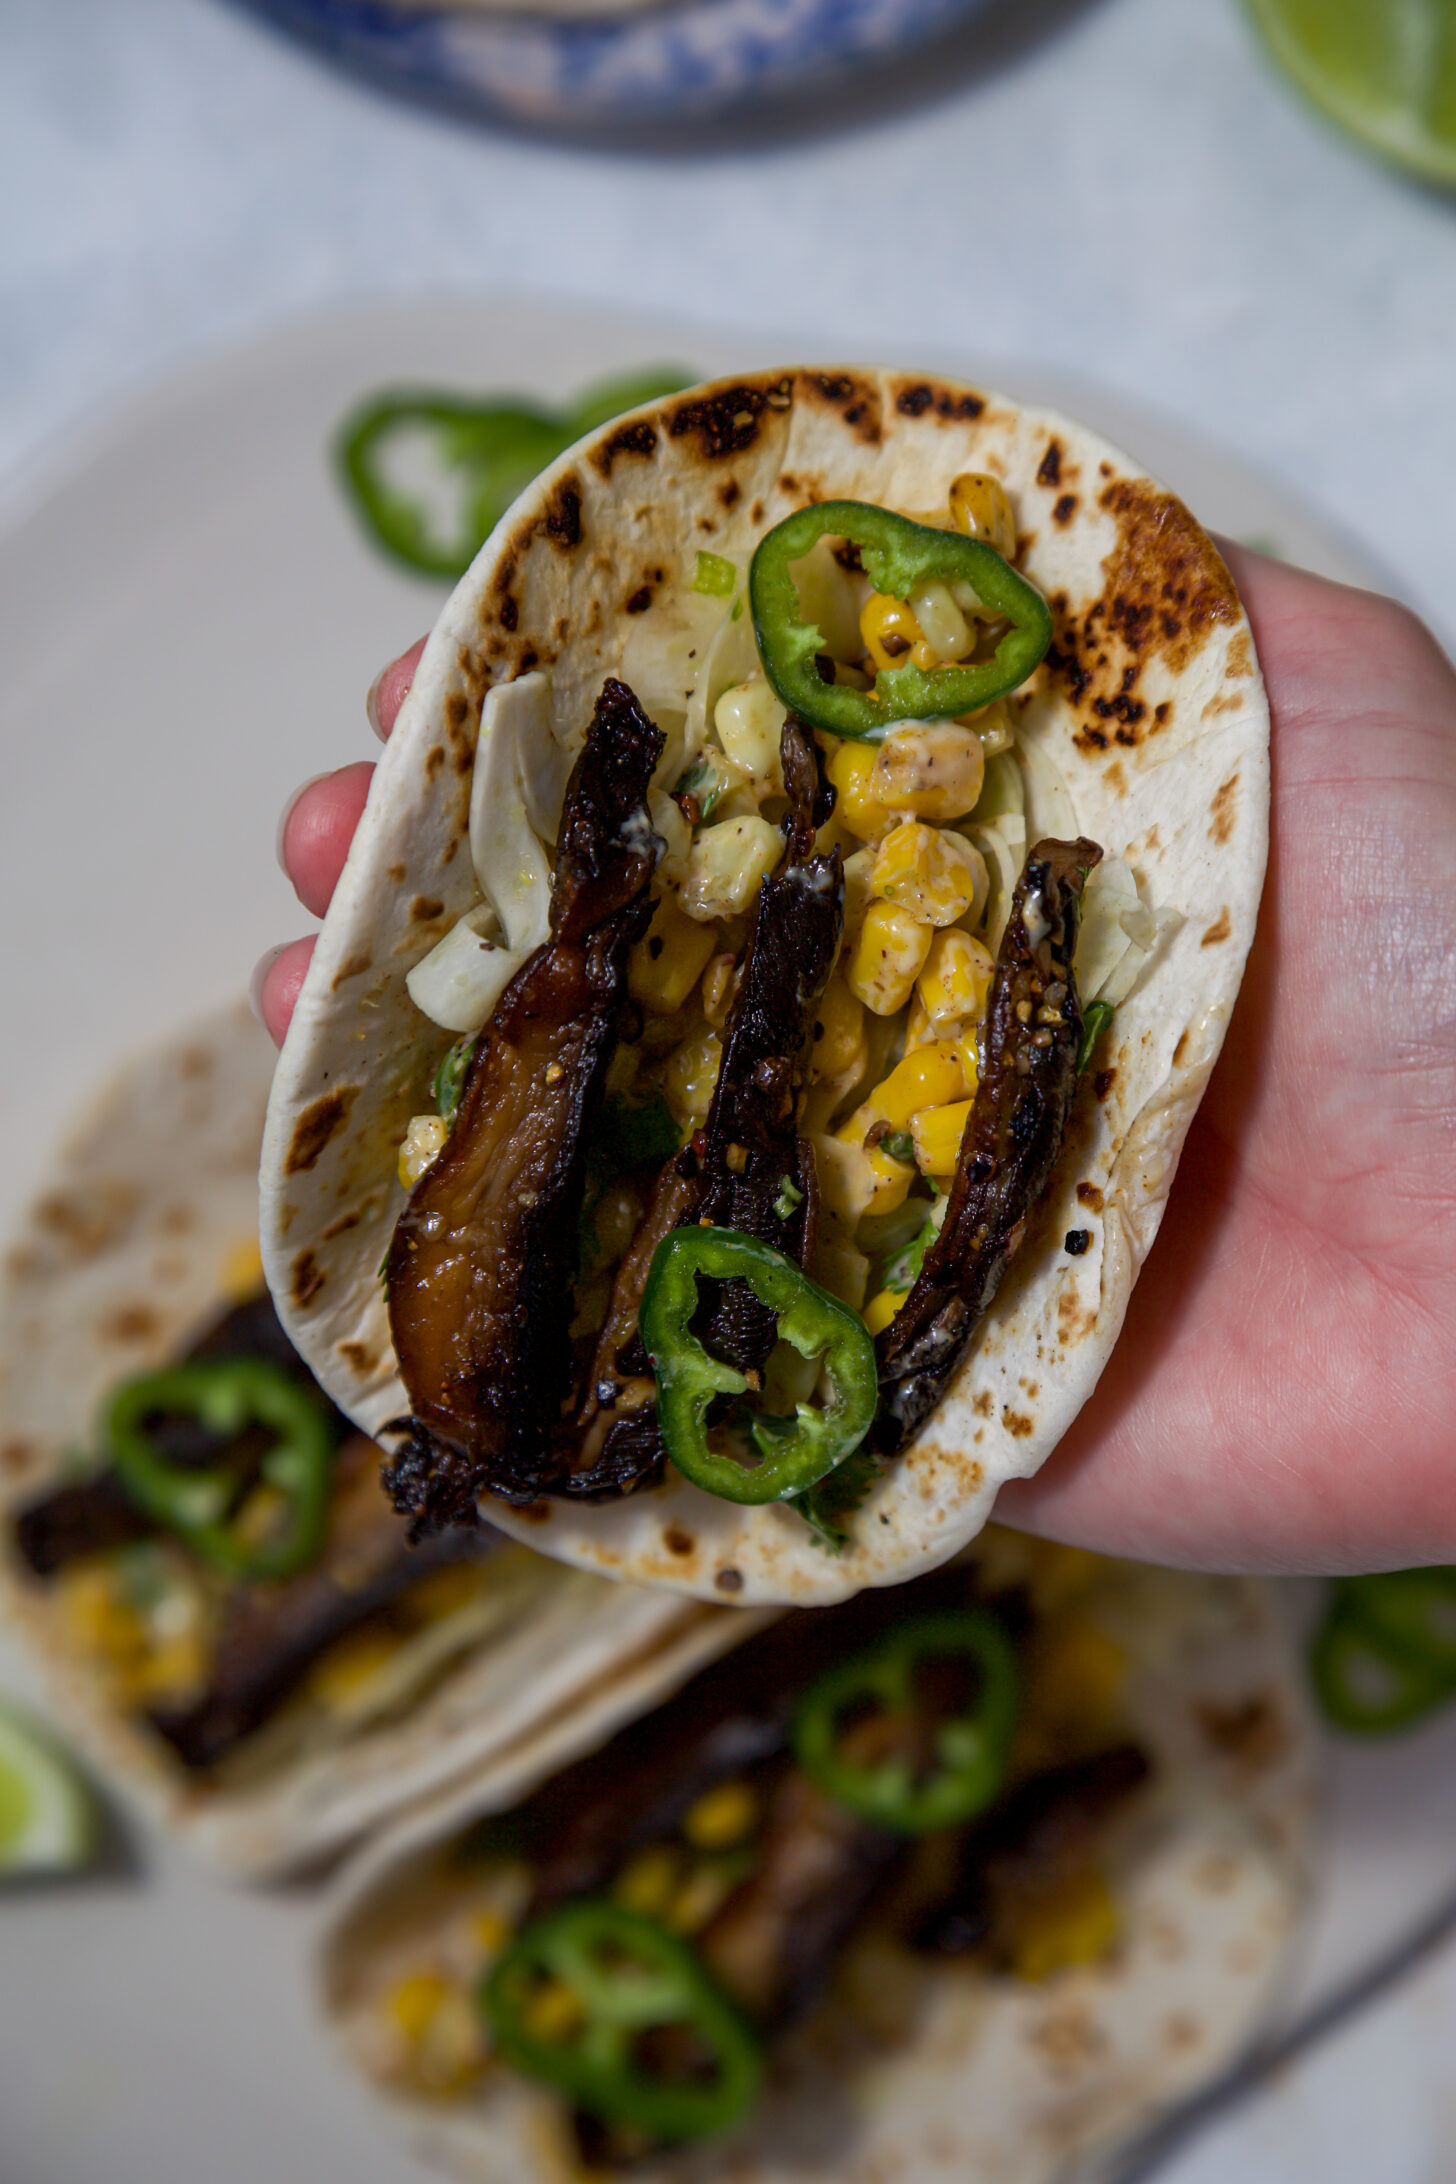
(929, 1076)
(932, 770)
(889, 629)
(665, 965)
(839, 1032)
(719, 988)
(721, 1817)
(1075, 1922)
(854, 1182)
(554, 2013)
(968, 1055)
(937, 1132)
(727, 867)
(649, 1881)
(690, 1076)
(414, 2001)
(941, 620)
(750, 724)
(173, 1670)
(850, 767)
(887, 957)
(702, 1895)
(882, 1308)
(242, 1269)
(918, 870)
(489, 1931)
(981, 508)
(919, 1030)
(338, 1676)
(422, 1143)
(445, 1592)
(956, 979)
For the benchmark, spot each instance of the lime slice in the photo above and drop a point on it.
(47, 1817)
(1384, 69)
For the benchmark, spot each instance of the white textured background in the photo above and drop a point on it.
(1132, 198)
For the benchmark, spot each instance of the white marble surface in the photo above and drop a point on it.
(1133, 199)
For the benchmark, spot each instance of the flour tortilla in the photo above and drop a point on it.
(1000, 2082)
(1152, 707)
(126, 1255)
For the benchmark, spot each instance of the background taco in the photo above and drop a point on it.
(269, 1695)
(609, 630)
(997, 1989)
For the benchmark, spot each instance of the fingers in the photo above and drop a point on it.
(316, 829)
(390, 688)
(276, 983)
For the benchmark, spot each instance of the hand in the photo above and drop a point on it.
(1284, 1393)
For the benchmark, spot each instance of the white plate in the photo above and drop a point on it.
(189, 619)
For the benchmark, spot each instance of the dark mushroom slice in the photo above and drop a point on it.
(1037, 1832)
(270, 1635)
(734, 1171)
(91, 1516)
(1012, 1141)
(481, 1267)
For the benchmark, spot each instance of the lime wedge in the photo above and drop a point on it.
(1384, 69)
(47, 1816)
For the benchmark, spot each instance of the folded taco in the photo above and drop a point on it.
(196, 1540)
(792, 925)
(967, 1879)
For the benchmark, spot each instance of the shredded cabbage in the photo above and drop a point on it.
(511, 861)
(459, 982)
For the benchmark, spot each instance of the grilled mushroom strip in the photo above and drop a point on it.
(1029, 1839)
(734, 1171)
(269, 1635)
(93, 1515)
(1013, 1137)
(480, 1269)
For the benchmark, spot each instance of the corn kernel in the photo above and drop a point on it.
(849, 769)
(854, 1182)
(918, 870)
(932, 769)
(887, 957)
(981, 508)
(728, 865)
(721, 1817)
(689, 1078)
(839, 1033)
(882, 1308)
(956, 980)
(919, 1029)
(930, 1076)
(720, 989)
(889, 629)
(338, 1676)
(1075, 1922)
(242, 1270)
(750, 723)
(942, 622)
(414, 2001)
(554, 2013)
(968, 1055)
(489, 1931)
(445, 1592)
(665, 964)
(937, 1132)
(702, 1895)
(423, 1141)
(648, 1882)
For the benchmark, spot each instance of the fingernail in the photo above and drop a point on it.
(259, 979)
(371, 704)
(288, 810)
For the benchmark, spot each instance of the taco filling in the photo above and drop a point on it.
(230, 1558)
(771, 1027)
(760, 1893)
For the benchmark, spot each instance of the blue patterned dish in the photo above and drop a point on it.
(659, 64)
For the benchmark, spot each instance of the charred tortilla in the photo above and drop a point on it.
(1142, 735)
